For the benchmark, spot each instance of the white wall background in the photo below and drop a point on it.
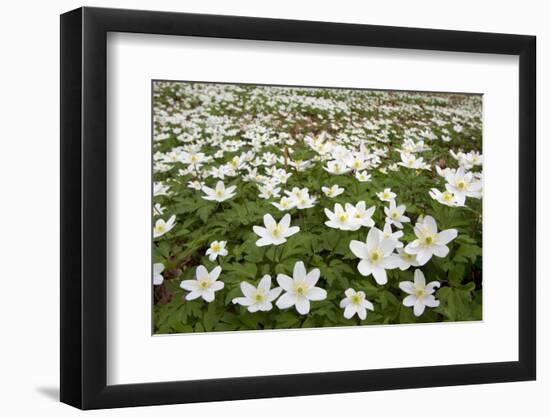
(29, 174)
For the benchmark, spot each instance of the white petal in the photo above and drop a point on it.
(409, 300)
(285, 221)
(380, 276)
(302, 305)
(359, 249)
(440, 251)
(316, 294)
(247, 289)
(265, 283)
(299, 271)
(419, 279)
(406, 286)
(446, 236)
(269, 221)
(286, 300)
(313, 276)
(418, 308)
(202, 272)
(189, 285)
(423, 256)
(285, 282)
(430, 301)
(215, 273)
(364, 267)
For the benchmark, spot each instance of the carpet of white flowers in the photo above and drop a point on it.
(282, 207)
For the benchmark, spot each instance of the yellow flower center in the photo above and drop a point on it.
(216, 247)
(219, 193)
(194, 158)
(394, 215)
(300, 288)
(429, 240)
(160, 228)
(447, 196)
(356, 299)
(376, 255)
(419, 292)
(259, 297)
(204, 283)
(461, 185)
(343, 217)
(386, 194)
(276, 231)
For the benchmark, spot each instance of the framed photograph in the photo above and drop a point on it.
(259, 208)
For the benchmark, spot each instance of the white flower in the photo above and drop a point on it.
(258, 298)
(220, 193)
(286, 203)
(160, 189)
(195, 185)
(304, 202)
(333, 191)
(268, 191)
(376, 255)
(388, 234)
(447, 198)
(274, 233)
(217, 248)
(355, 303)
(386, 195)
(394, 214)
(360, 214)
(205, 285)
(300, 289)
(162, 227)
(336, 168)
(363, 176)
(157, 274)
(407, 260)
(462, 184)
(420, 294)
(341, 219)
(429, 242)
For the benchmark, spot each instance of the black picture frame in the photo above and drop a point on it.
(84, 207)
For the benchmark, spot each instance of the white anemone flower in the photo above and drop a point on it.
(274, 233)
(429, 242)
(286, 203)
(363, 176)
(195, 185)
(300, 289)
(158, 279)
(205, 285)
(388, 234)
(258, 298)
(162, 227)
(220, 193)
(420, 294)
(395, 214)
(268, 191)
(361, 215)
(447, 198)
(336, 168)
(406, 259)
(376, 256)
(355, 303)
(463, 184)
(341, 219)
(305, 202)
(333, 191)
(217, 248)
(386, 195)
